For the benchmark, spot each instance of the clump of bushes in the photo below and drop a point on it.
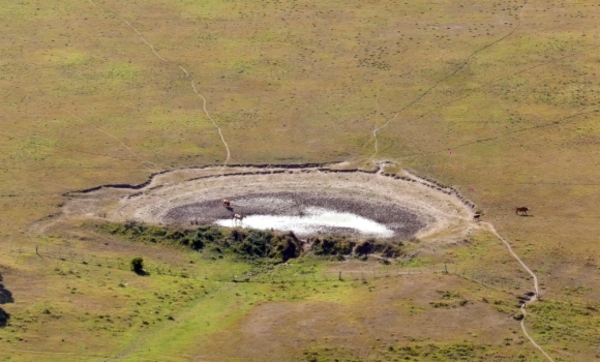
(4, 317)
(518, 316)
(195, 239)
(251, 244)
(332, 245)
(343, 245)
(385, 248)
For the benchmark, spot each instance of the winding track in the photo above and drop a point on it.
(187, 74)
(375, 134)
(489, 227)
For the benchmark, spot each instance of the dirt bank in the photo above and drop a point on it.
(409, 205)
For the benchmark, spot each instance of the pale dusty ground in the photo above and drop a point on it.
(444, 215)
(390, 312)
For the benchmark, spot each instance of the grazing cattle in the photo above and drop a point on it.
(238, 217)
(476, 217)
(226, 203)
(523, 210)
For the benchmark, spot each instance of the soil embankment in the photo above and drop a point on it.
(408, 205)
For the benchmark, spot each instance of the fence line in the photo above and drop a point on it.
(63, 254)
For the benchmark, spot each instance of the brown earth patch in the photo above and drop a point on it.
(389, 311)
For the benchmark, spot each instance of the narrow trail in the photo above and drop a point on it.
(208, 115)
(529, 337)
(187, 74)
(143, 160)
(375, 135)
(489, 227)
(463, 65)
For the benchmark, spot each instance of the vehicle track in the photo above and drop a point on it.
(187, 74)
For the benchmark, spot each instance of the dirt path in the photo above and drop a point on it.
(208, 115)
(141, 159)
(458, 69)
(489, 227)
(529, 337)
(187, 74)
(375, 134)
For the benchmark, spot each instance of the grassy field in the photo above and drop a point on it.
(500, 100)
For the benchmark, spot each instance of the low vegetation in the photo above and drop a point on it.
(251, 244)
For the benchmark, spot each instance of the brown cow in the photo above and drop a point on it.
(476, 217)
(226, 203)
(523, 210)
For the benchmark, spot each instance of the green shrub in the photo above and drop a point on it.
(286, 247)
(256, 244)
(251, 244)
(333, 245)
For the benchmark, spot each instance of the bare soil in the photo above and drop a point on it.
(389, 312)
(409, 206)
(401, 220)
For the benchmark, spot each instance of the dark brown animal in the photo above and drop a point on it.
(226, 203)
(523, 210)
(476, 217)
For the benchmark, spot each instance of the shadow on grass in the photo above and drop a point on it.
(5, 297)
(142, 273)
(4, 317)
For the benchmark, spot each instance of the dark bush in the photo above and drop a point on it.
(366, 247)
(5, 294)
(387, 249)
(286, 247)
(4, 317)
(250, 244)
(256, 244)
(332, 245)
(137, 265)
